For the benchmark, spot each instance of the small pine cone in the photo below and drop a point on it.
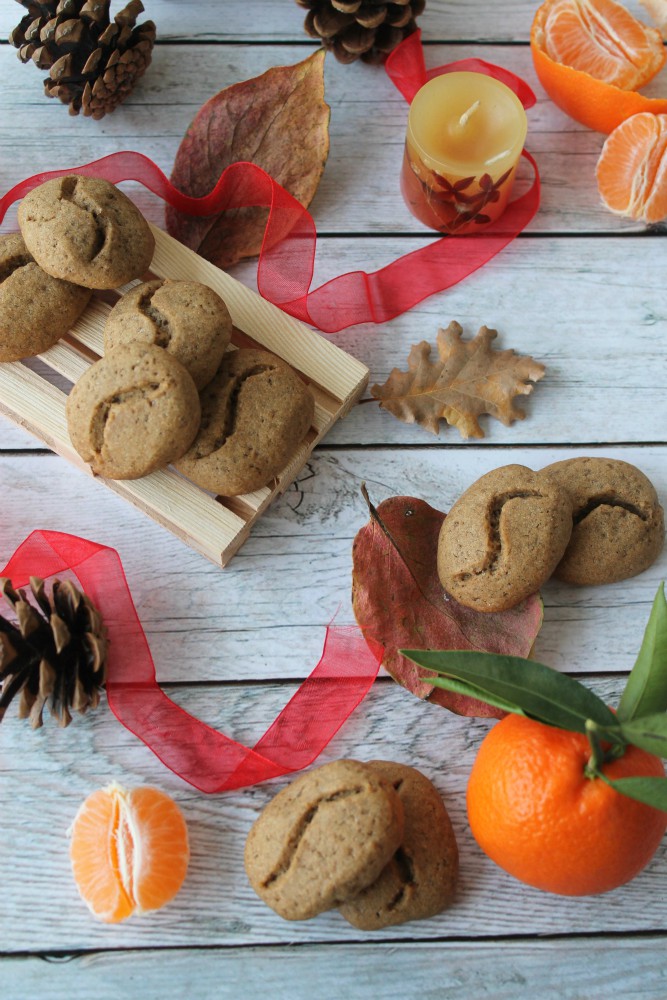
(361, 29)
(93, 62)
(56, 653)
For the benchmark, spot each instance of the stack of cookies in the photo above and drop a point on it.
(372, 840)
(139, 409)
(584, 520)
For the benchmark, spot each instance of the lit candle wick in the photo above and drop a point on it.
(467, 115)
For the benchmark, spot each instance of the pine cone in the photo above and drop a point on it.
(93, 64)
(55, 654)
(361, 29)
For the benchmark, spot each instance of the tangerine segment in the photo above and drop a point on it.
(94, 857)
(632, 169)
(535, 813)
(602, 38)
(161, 854)
(129, 851)
(592, 102)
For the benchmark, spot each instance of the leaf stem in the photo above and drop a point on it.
(599, 756)
(596, 759)
(372, 510)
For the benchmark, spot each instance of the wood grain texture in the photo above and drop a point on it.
(443, 970)
(268, 20)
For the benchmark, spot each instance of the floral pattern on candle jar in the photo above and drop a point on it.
(453, 207)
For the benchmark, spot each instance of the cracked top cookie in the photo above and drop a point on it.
(36, 309)
(323, 839)
(254, 414)
(618, 524)
(503, 538)
(186, 318)
(132, 412)
(83, 229)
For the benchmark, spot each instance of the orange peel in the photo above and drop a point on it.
(592, 102)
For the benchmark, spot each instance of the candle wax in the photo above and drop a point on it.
(463, 127)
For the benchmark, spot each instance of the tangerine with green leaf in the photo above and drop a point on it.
(566, 794)
(537, 812)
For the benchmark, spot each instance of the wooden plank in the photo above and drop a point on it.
(359, 191)
(183, 508)
(253, 20)
(264, 618)
(507, 970)
(46, 775)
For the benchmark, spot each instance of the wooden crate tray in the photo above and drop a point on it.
(214, 526)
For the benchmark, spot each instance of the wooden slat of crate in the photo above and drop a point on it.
(318, 359)
(214, 526)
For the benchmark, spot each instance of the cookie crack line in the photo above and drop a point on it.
(295, 839)
(494, 514)
(229, 424)
(70, 191)
(149, 392)
(607, 500)
(158, 319)
(406, 873)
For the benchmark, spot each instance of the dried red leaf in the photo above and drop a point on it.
(399, 602)
(279, 121)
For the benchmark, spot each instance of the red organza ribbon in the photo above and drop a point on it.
(287, 259)
(203, 757)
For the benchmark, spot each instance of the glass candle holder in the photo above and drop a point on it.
(464, 139)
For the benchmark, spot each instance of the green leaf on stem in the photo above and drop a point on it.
(646, 690)
(648, 732)
(650, 791)
(531, 688)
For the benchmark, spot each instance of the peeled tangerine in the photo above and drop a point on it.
(129, 851)
(632, 169)
(602, 38)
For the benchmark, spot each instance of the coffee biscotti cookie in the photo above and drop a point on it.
(323, 839)
(187, 318)
(254, 414)
(36, 309)
(420, 879)
(83, 229)
(618, 523)
(503, 538)
(132, 412)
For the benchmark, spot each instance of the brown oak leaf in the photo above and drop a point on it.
(469, 379)
(399, 602)
(279, 121)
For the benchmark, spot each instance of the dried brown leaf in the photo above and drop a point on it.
(469, 379)
(279, 121)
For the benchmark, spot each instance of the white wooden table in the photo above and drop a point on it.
(583, 292)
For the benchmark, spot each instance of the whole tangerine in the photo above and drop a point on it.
(535, 812)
